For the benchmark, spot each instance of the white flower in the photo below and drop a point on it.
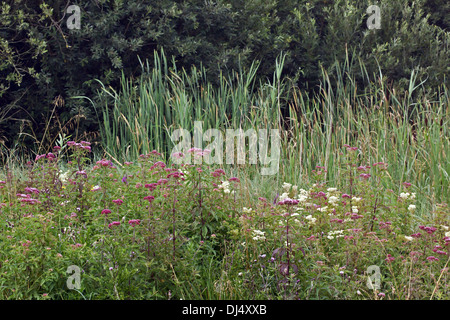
(354, 209)
(247, 210)
(409, 238)
(444, 227)
(226, 190)
(302, 198)
(447, 234)
(286, 186)
(283, 196)
(411, 208)
(64, 176)
(322, 209)
(333, 199)
(331, 189)
(404, 195)
(330, 237)
(258, 235)
(355, 199)
(295, 188)
(310, 219)
(224, 185)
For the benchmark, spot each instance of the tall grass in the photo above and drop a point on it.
(408, 130)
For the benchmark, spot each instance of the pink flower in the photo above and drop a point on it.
(193, 150)
(432, 258)
(162, 181)
(134, 222)
(149, 198)
(114, 223)
(118, 201)
(389, 258)
(151, 186)
(178, 155)
(345, 196)
(106, 211)
(234, 179)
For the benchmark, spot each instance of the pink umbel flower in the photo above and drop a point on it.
(114, 223)
(106, 211)
(432, 258)
(149, 198)
(134, 222)
(234, 179)
(118, 201)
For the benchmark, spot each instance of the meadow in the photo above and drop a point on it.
(362, 185)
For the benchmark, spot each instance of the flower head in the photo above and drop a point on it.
(106, 211)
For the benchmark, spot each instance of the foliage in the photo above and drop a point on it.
(149, 230)
(46, 64)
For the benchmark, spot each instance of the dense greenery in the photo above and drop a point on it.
(44, 64)
(151, 230)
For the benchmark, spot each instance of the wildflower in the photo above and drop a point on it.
(134, 222)
(106, 211)
(258, 235)
(322, 209)
(283, 196)
(246, 210)
(389, 258)
(288, 202)
(162, 181)
(333, 200)
(381, 294)
(286, 186)
(332, 189)
(447, 234)
(310, 219)
(432, 258)
(95, 188)
(354, 209)
(118, 201)
(234, 179)
(114, 223)
(149, 198)
(404, 195)
(409, 238)
(411, 208)
(355, 199)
